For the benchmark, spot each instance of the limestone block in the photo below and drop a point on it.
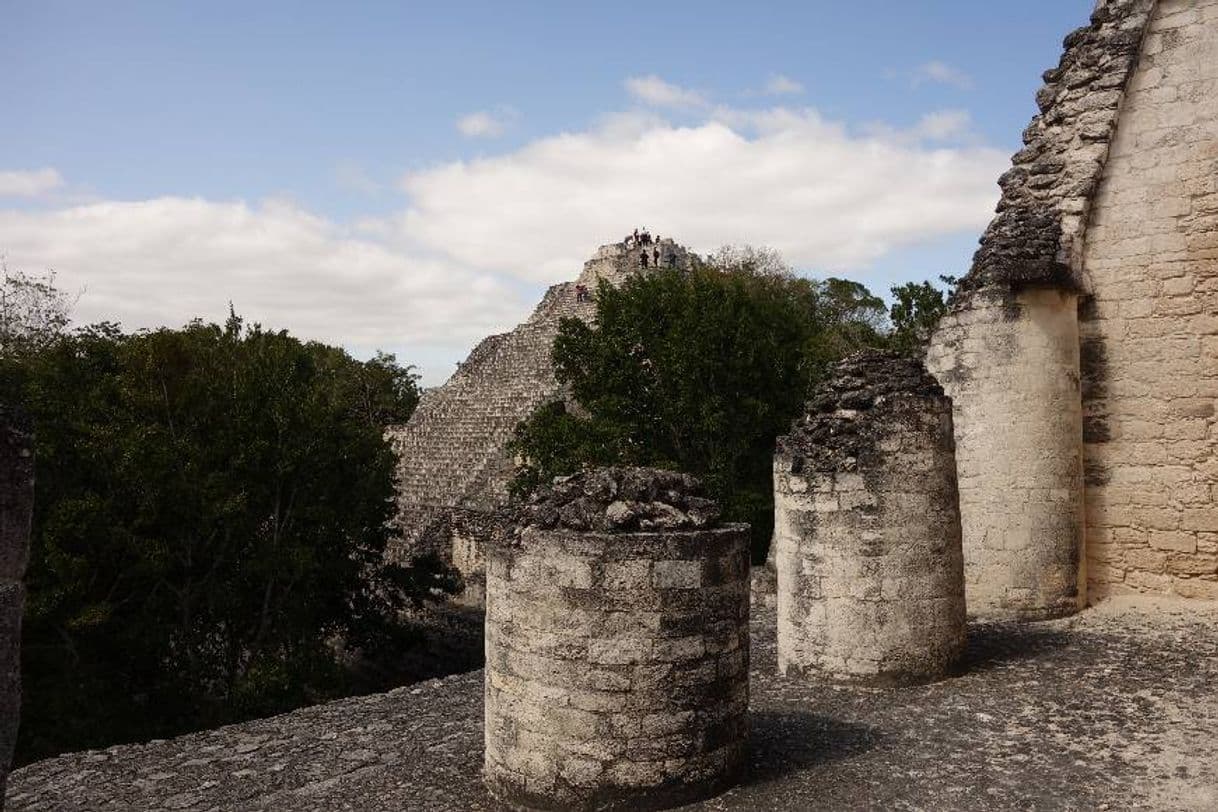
(1018, 426)
(625, 690)
(1152, 385)
(871, 590)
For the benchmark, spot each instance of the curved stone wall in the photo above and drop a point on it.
(1010, 362)
(867, 528)
(616, 667)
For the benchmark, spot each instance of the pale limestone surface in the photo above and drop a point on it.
(867, 532)
(1150, 331)
(616, 667)
(1010, 362)
(1113, 708)
(1114, 199)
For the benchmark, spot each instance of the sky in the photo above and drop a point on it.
(410, 176)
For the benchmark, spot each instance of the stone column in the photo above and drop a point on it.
(617, 659)
(16, 510)
(1009, 359)
(870, 571)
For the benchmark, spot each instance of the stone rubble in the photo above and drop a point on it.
(621, 500)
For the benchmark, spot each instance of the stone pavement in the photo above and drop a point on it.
(1113, 709)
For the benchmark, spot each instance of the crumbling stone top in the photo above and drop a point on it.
(1046, 194)
(845, 415)
(621, 500)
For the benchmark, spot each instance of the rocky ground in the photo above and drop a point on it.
(1113, 709)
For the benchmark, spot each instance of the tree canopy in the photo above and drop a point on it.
(699, 371)
(210, 515)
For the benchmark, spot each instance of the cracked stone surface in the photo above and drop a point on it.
(1111, 709)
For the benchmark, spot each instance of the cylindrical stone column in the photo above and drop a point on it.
(1009, 359)
(16, 511)
(870, 570)
(617, 658)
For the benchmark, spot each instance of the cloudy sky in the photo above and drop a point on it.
(411, 175)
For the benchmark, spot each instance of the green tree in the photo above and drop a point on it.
(698, 371)
(211, 513)
(916, 310)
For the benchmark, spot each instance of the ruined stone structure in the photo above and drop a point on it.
(16, 511)
(867, 529)
(453, 468)
(1081, 351)
(617, 647)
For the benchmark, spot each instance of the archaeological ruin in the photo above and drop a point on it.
(16, 511)
(617, 640)
(453, 467)
(1074, 383)
(870, 572)
(1081, 351)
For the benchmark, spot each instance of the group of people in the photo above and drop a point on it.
(638, 239)
(647, 258)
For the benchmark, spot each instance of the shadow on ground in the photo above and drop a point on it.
(995, 645)
(790, 741)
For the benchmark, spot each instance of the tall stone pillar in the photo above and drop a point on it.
(1009, 359)
(870, 572)
(16, 510)
(617, 647)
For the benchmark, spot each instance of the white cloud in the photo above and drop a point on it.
(941, 73)
(468, 252)
(167, 260)
(779, 85)
(29, 183)
(486, 124)
(655, 91)
(829, 199)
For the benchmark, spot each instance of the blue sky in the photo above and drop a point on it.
(411, 175)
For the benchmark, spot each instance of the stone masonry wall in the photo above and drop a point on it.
(1010, 362)
(16, 510)
(867, 530)
(1150, 331)
(1013, 323)
(616, 667)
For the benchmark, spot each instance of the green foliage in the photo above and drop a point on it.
(210, 513)
(916, 309)
(697, 371)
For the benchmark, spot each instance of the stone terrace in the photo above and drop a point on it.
(1113, 708)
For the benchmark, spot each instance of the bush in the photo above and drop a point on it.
(211, 508)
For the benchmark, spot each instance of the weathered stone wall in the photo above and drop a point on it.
(616, 667)
(1150, 331)
(870, 572)
(16, 511)
(1010, 362)
(1008, 351)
